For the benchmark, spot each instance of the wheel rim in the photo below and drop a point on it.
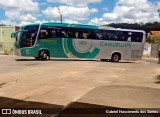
(115, 58)
(45, 56)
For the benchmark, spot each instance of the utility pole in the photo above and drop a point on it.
(60, 15)
(159, 45)
(159, 14)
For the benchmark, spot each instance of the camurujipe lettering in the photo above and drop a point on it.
(116, 44)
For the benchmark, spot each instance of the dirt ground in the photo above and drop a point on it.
(60, 83)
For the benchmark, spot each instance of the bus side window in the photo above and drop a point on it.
(83, 33)
(118, 35)
(137, 37)
(86, 35)
(80, 35)
(130, 36)
(129, 39)
(76, 34)
(52, 34)
(96, 34)
(43, 34)
(112, 35)
(71, 34)
(106, 34)
(92, 35)
(63, 34)
(58, 33)
(140, 37)
(99, 36)
(124, 36)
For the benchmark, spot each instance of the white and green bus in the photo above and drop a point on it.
(61, 40)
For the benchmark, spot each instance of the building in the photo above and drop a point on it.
(6, 42)
(152, 50)
(156, 33)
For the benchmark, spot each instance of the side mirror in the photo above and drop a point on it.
(13, 35)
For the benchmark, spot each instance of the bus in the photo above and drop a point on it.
(62, 40)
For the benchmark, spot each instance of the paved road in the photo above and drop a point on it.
(60, 82)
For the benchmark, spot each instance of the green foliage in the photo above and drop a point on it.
(2, 25)
(153, 39)
(148, 27)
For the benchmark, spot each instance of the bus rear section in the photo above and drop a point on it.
(123, 44)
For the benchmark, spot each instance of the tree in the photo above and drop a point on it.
(155, 39)
(148, 27)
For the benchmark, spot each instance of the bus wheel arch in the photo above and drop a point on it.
(44, 54)
(116, 57)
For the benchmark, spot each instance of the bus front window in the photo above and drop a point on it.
(27, 37)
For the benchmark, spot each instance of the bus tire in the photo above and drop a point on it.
(43, 55)
(116, 57)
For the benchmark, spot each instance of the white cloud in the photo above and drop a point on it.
(75, 2)
(110, 16)
(131, 11)
(51, 12)
(131, 2)
(19, 5)
(93, 10)
(98, 22)
(13, 15)
(105, 9)
(22, 23)
(69, 12)
(37, 21)
(20, 10)
(71, 21)
(7, 22)
(76, 11)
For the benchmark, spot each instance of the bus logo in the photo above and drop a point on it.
(72, 52)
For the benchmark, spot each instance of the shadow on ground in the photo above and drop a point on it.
(47, 109)
(96, 102)
(82, 60)
(158, 79)
(79, 109)
(54, 60)
(75, 109)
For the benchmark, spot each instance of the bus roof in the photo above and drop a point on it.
(120, 29)
(65, 25)
(71, 25)
(84, 26)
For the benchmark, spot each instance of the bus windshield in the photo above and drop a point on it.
(26, 37)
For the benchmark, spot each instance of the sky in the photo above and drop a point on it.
(93, 12)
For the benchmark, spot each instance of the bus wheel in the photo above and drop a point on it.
(115, 57)
(43, 55)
